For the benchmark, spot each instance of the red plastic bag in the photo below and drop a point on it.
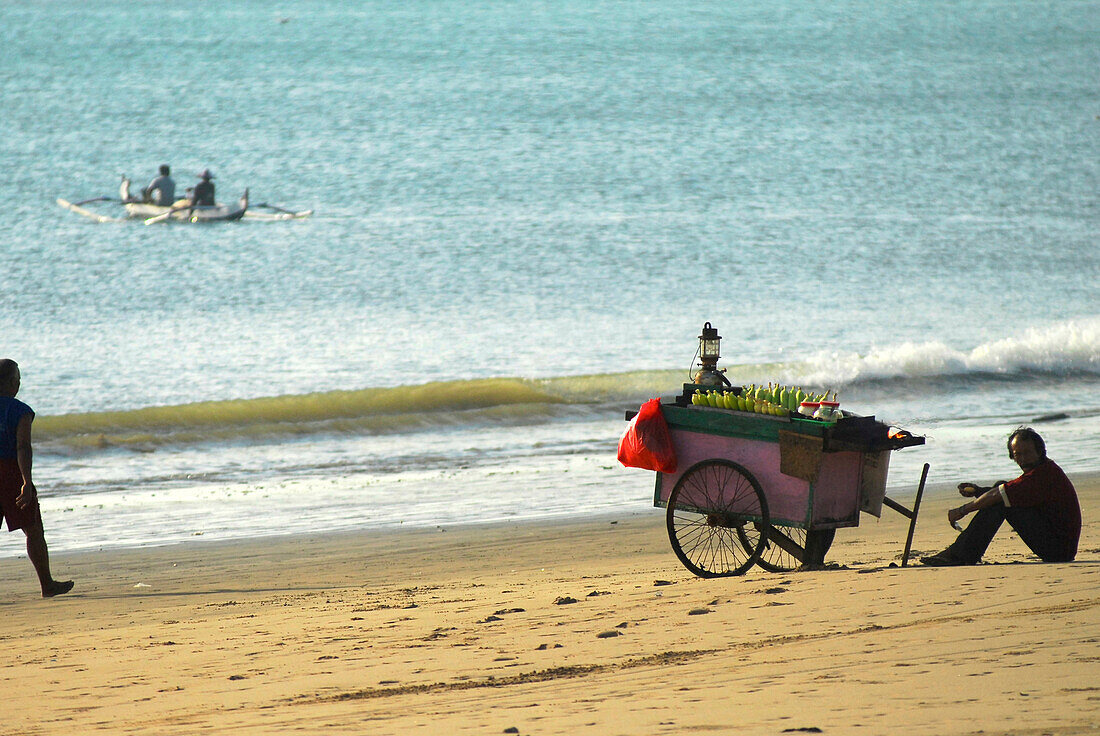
(647, 443)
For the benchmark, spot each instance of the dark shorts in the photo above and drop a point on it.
(11, 483)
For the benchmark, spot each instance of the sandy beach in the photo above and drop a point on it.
(555, 628)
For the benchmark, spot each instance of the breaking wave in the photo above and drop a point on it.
(1065, 349)
(369, 411)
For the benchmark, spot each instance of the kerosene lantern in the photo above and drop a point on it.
(710, 343)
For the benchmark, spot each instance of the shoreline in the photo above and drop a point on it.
(590, 626)
(934, 493)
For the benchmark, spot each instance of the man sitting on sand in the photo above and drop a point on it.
(1041, 505)
(18, 496)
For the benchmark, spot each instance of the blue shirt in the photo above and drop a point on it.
(162, 190)
(12, 410)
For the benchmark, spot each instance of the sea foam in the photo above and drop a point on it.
(1067, 348)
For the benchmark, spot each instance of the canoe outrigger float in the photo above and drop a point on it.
(181, 211)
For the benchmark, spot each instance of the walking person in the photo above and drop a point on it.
(18, 495)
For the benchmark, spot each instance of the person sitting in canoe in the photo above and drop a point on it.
(161, 190)
(203, 193)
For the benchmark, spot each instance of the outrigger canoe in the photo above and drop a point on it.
(181, 211)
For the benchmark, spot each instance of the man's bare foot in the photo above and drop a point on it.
(57, 587)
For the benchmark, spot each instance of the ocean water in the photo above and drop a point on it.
(525, 212)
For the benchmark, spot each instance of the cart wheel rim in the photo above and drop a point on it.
(717, 519)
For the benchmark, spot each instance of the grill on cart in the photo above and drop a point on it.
(754, 488)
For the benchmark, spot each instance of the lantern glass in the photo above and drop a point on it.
(709, 343)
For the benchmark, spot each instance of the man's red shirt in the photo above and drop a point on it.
(1046, 488)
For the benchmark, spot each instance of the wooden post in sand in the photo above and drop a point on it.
(911, 515)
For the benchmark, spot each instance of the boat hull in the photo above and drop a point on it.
(216, 213)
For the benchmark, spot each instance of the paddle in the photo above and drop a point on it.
(165, 215)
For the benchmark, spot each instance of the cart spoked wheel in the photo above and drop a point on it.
(789, 548)
(784, 549)
(717, 519)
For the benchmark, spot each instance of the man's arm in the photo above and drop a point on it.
(24, 455)
(990, 497)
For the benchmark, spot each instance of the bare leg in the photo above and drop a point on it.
(40, 558)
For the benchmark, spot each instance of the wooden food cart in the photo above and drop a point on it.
(771, 490)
